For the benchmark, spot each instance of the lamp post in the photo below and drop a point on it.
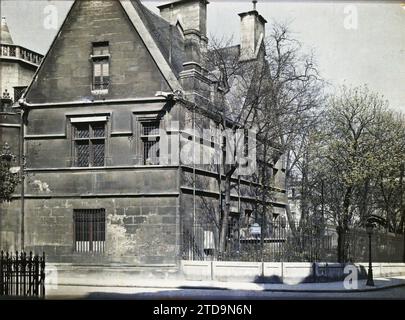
(370, 280)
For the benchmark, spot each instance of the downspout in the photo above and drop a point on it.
(239, 211)
(22, 170)
(219, 187)
(194, 184)
(22, 104)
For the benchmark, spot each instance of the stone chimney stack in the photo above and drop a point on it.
(192, 14)
(252, 33)
(192, 17)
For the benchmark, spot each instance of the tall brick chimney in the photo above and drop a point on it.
(252, 33)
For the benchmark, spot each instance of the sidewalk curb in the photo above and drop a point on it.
(298, 290)
(204, 287)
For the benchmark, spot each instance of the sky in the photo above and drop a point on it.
(354, 43)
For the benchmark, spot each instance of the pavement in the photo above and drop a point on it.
(153, 286)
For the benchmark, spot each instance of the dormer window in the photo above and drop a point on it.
(101, 67)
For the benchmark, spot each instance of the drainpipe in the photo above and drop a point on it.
(194, 184)
(240, 213)
(22, 103)
(22, 170)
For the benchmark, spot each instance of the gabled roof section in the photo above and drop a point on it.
(167, 37)
(163, 41)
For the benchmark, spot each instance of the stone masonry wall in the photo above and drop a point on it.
(138, 230)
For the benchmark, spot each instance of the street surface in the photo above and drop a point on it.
(84, 292)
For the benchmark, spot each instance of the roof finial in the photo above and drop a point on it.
(254, 4)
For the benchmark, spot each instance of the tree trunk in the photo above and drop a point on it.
(263, 185)
(304, 193)
(340, 244)
(290, 218)
(344, 226)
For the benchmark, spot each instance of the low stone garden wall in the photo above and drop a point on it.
(282, 272)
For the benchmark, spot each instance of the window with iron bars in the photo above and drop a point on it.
(89, 144)
(150, 140)
(89, 230)
(101, 66)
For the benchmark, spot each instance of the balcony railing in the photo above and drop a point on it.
(18, 52)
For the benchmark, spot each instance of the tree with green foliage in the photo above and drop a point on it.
(8, 179)
(353, 165)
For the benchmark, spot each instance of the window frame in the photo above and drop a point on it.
(19, 92)
(103, 59)
(89, 231)
(91, 139)
(150, 138)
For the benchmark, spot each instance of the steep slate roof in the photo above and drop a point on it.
(168, 38)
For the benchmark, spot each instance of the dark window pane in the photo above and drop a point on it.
(89, 227)
(18, 92)
(98, 153)
(106, 82)
(100, 48)
(151, 152)
(82, 153)
(150, 148)
(98, 130)
(82, 131)
(99, 227)
(150, 128)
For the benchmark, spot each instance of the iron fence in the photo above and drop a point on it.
(279, 242)
(22, 275)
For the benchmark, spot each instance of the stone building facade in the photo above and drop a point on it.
(117, 81)
(17, 67)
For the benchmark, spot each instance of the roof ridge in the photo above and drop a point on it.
(151, 12)
(168, 39)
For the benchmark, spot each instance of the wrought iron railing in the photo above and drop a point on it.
(22, 275)
(305, 243)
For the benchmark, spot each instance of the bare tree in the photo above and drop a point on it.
(277, 94)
